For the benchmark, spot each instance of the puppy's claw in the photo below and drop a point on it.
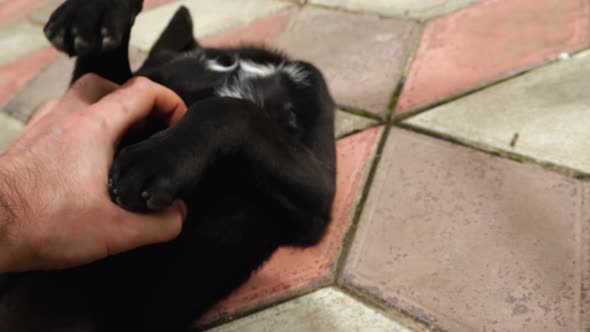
(81, 46)
(108, 42)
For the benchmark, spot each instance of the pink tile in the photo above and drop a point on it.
(14, 76)
(291, 270)
(149, 4)
(15, 10)
(260, 32)
(42, 14)
(471, 242)
(485, 42)
(362, 56)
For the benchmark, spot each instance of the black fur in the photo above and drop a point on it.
(256, 174)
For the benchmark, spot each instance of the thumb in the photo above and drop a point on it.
(145, 229)
(134, 101)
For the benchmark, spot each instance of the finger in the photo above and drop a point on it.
(86, 91)
(133, 102)
(42, 111)
(136, 230)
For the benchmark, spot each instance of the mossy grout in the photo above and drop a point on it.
(498, 152)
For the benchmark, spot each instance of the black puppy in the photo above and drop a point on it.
(254, 159)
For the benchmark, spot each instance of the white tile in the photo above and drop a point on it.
(9, 130)
(420, 9)
(347, 123)
(548, 108)
(19, 40)
(209, 17)
(327, 310)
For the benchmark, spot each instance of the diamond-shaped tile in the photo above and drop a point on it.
(10, 128)
(292, 270)
(362, 56)
(261, 32)
(472, 242)
(347, 123)
(488, 41)
(208, 17)
(325, 310)
(19, 40)
(421, 9)
(52, 83)
(150, 4)
(548, 108)
(15, 75)
(42, 14)
(14, 11)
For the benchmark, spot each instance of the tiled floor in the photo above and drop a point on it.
(471, 215)
(491, 40)
(362, 56)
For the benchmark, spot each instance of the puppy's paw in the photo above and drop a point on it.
(143, 179)
(85, 27)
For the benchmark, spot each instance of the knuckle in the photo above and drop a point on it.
(85, 80)
(81, 121)
(121, 105)
(141, 82)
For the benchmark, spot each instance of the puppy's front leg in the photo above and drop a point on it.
(294, 177)
(97, 32)
(150, 175)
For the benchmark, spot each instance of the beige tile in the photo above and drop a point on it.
(472, 242)
(325, 310)
(548, 108)
(208, 17)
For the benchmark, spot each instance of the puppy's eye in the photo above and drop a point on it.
(223, 63)
(226, 60)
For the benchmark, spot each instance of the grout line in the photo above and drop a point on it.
(364, 12)
(356, 131)
(225, 319)
(348, 238)
(393, 313)
(398, 117)
(397, 315)
(358, 112)
(510, 76)
(412, 52)
(12, 115)
(497, 152)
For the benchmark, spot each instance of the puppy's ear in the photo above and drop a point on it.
(178, 35)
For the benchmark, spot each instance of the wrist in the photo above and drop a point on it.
(9, 219)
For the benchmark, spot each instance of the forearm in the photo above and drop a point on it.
(8, 221)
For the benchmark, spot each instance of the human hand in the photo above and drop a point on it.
(53, 179)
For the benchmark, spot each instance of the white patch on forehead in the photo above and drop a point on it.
(214, 65)
(253, 69)
(241, 85)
